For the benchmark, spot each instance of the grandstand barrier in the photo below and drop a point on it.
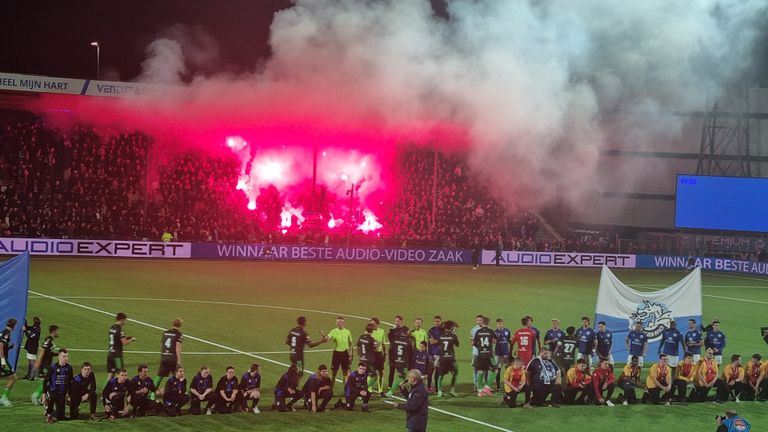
(330, 253)
(559, 259)
(182, 250)
(99, 248)
(706, 263)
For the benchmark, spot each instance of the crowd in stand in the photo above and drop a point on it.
(76, 183)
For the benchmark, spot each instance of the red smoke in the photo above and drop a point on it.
(274, 148)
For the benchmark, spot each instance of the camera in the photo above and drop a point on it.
(719, 417)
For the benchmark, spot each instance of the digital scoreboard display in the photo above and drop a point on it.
(722, 203)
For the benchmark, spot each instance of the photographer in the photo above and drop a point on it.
(732, 422)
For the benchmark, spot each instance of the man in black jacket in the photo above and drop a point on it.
(417, 405)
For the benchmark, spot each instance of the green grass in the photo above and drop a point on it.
(365, 290)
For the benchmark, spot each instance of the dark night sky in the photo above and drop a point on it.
(53, 37)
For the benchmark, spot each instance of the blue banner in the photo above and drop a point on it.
(322, 253)
(709, 264)
(14, 285)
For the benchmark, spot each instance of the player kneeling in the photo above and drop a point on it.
(287, 387)
(115, 395)
(629, 381)
(139, 388)
(226, 393)
(318, 388)
(250, 389)
(356, 387)
(175, 396)
(201, 390)
(83, 390)
(603, 383)
(578, 384)
(515, 382)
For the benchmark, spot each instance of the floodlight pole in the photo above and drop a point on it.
(98, 58)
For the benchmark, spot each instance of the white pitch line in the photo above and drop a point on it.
(740, 277)
(188, 336)
(210, 302)
(186, 353)
(711, 286)
(710, 295)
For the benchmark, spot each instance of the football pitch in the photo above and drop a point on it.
(238, 313)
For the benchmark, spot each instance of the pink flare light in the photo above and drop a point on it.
(371, 222)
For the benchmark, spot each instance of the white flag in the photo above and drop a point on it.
(621, 306)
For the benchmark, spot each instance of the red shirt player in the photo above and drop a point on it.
(525, 338)
(603, 382)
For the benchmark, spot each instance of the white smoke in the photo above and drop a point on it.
(535, 83)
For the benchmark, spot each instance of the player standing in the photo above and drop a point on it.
(380, 353)
(44, 360)
(565, 356)
(448, 341)
(366, 352)
(170, 352)
(536, 332)
(31, 346)
(434, 350)
(391, 334)
(418, 334)
(342, 348)
(716, 341)
(694, 340)
(472, 331)
(587, 341)
(5, 367)
(671, 341)
(117, 341)
(554, 337)
(525, 339)
(401, 353)
(636, 343)
(484, 339)
(297, 339)
(503, 339)
(604, 343)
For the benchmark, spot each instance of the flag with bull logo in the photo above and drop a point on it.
(621, 306)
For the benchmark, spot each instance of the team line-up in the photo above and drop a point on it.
(559, 370)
